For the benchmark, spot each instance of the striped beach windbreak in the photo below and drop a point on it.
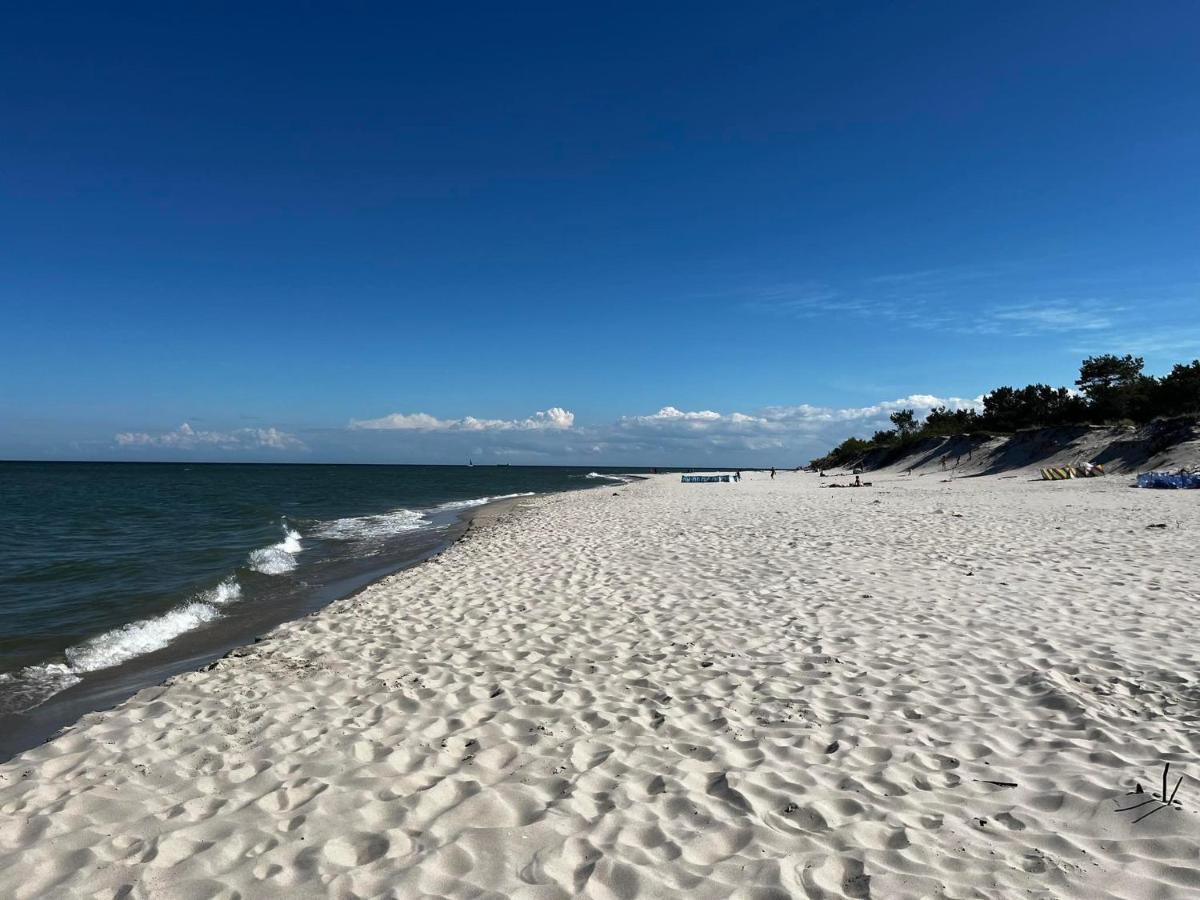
(1061, 473)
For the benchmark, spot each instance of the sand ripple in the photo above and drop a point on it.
(662, 690)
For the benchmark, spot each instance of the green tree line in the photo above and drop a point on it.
(1110, 389)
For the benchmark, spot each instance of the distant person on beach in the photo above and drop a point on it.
(737, 476)
(857, 481)
(772, 473)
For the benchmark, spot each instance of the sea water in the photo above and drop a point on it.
(103, 565)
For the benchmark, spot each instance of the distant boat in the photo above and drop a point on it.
(470, 463)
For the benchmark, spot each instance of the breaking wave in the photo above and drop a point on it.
(138, 638)
(278, 558)
(383, 525)
(480, 501)
(34, 684)
(359, 528)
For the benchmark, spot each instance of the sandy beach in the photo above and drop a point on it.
(925, 688)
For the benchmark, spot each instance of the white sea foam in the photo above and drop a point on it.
(361, 528)
(273, 560)
(620, 478)
(479, 501)
(34, 684)
(138, 638)
(225, 592)
(278, 558)
(382, 525)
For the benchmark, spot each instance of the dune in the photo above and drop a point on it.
(1164, 444)
(925, 688)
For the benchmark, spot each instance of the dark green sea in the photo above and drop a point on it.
(139, 570)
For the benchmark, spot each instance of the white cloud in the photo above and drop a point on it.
(556, 419)
(185, 437)
(673, 435)
(785, 434)
(777, 419)
(932, 300)
(1173, 343)
(1060, 316)
(920, 403)
(402, 422)
(669, 415)
(790, 434)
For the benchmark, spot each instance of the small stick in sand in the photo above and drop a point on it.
(1162, 801)
(1176, 791)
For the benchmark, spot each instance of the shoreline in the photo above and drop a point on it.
(106, 688)
(921, 688)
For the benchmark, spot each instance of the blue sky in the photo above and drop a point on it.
(277, 224)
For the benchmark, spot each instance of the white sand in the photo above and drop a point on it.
(755, 690)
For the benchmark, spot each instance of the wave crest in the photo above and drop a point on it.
(359, 528)
(34, 684)
(480, 501)
(278, 558)
(138, 638)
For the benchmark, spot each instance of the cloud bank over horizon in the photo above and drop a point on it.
(185, 437)
(774, 435)
(553, 418)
